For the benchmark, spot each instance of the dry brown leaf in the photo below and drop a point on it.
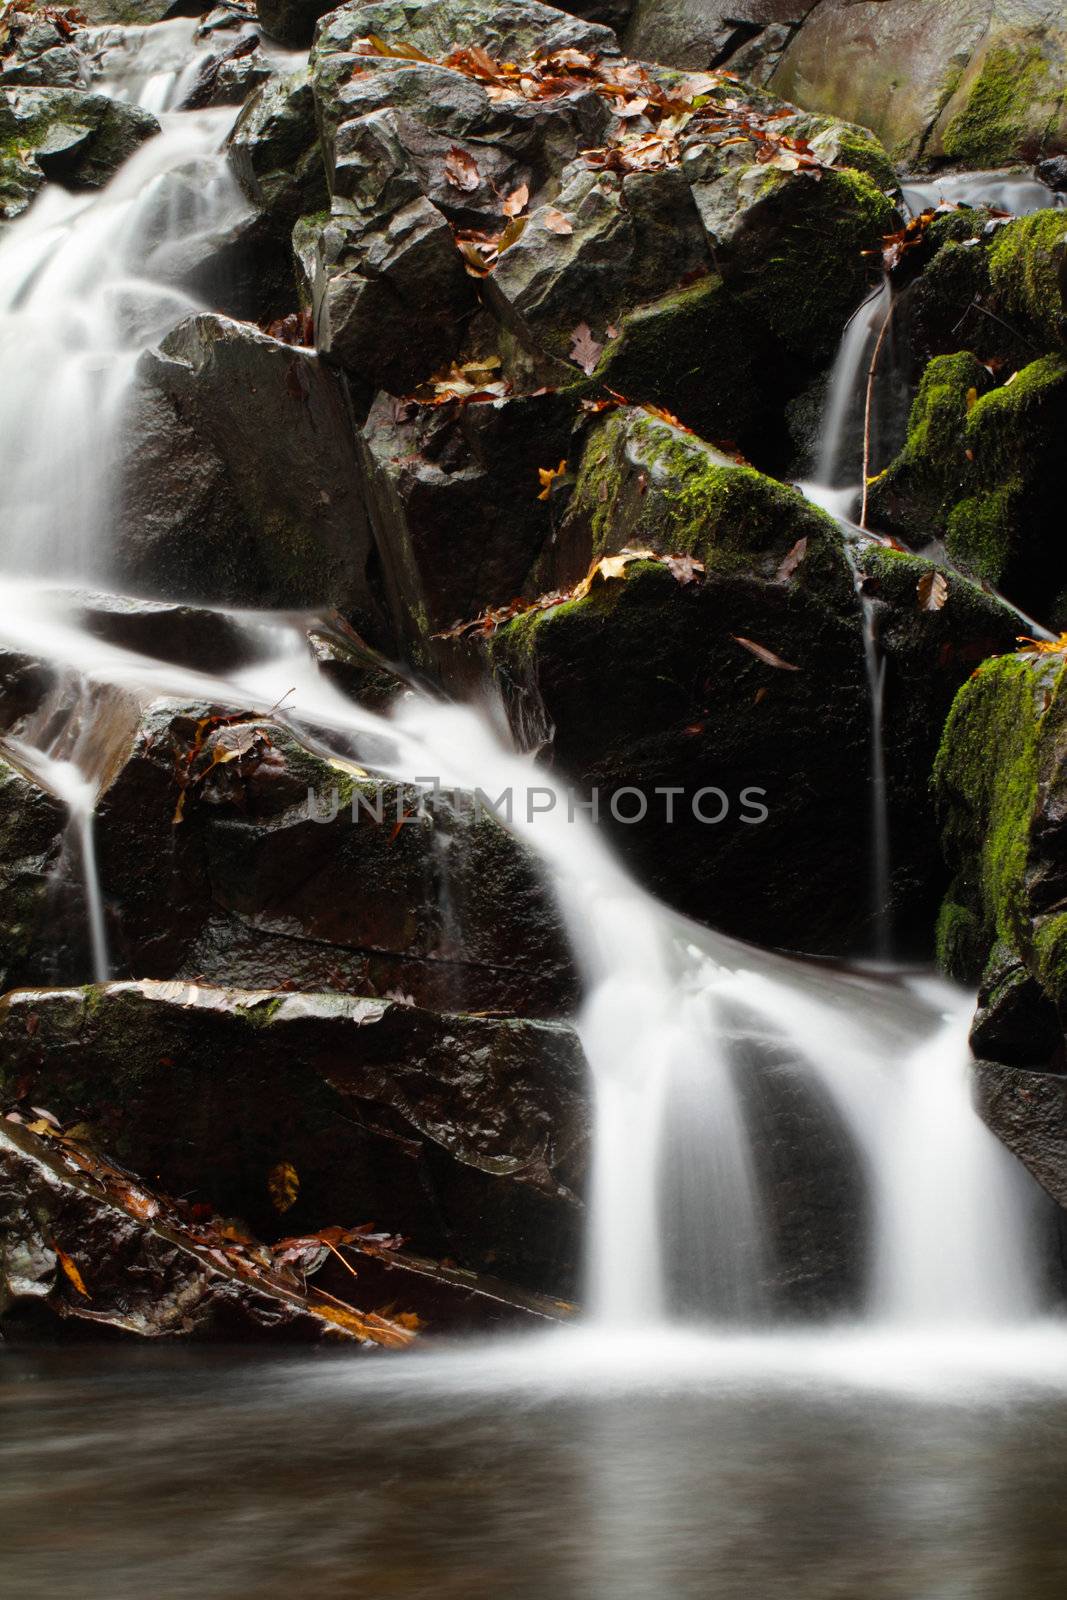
(585, 350)
(461, 170)
(556, 222)
(685, 569)
(517, 200)
(761, 652)
(791, 562)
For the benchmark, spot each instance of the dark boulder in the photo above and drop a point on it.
(78, 139)
(240, 481)
(32, 822)
(467, 1134)
(749, 679)
(286, 868)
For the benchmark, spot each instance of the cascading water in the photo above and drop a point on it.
(678, 1224)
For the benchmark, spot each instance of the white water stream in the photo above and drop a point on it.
(676, 1189)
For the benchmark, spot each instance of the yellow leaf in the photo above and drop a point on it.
(71, 1270)
(548, 476)
(972, 399)
(283, 1182)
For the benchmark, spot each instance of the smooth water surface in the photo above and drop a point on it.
(178, 1474)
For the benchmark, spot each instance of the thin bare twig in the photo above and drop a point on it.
(871, 374)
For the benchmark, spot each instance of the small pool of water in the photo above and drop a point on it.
(817, 1468)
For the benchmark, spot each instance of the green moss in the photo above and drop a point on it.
(809, 268)
(988, 128)
(1025, 263)
(982, 529)
(986, 781)
(1050, 957)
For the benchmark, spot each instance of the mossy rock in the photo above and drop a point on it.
(980, 469)
(1028, 271)
(646, 683)
(999, 782)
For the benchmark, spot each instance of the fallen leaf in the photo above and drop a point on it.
(461, 170)
(585, 350)
(761, 652)
(972, 399)
(556, 222)
(549, 476)
(791, 562)
(71, 1270)
(283, 1184)
(932, 590)
(516, 201)
(686, 569)
(514, 231)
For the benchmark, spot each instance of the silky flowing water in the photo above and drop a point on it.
(680, 1441)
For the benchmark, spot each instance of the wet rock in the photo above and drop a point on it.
(647, 684)
(25, 680)
(353, 666)
(389, 305)
(188, 636)
(76, 138)
(31, 828)
(85, 1250)
(1028, 1112)
(508, 31)
(41, 50)
(275, 155)
(286, 868)
(467, 1134)
(1003, 823)
(978, 468)
(291, 22)
(1053, 172)
(453, 497)
(241, 485)
(228, 78)
(713, 33)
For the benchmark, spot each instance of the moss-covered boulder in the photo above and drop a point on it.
(268, 865)
(999, 787)
(76, 138)
(747, 685)
(980, 469)
(240, 483)
(467, 1134)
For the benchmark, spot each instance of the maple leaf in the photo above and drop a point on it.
(761, 652)
(555, 221)
(585, 351)
(461, 170)
(685, 569)
(516, 201)
(932, 590)
(549, 476)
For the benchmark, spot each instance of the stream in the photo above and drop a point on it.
(914, 1453)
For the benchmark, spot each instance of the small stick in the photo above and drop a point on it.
(867, 414)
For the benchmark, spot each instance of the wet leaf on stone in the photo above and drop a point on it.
(549, 476)
(585, 351)
(791, 562)
(761, 652)
(932, 590)
(283, 1185)
(71, 1270)
(685, 569)
(556, 222)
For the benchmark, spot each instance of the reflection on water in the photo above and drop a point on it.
(133, 1473)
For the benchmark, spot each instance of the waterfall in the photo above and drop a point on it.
(678, 1212)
